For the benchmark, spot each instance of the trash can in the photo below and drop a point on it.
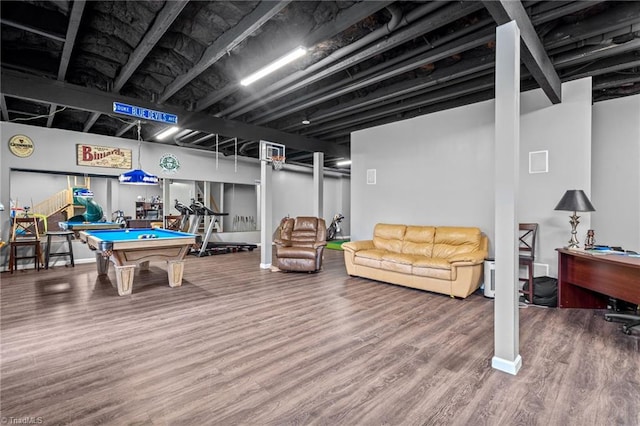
(490, 278)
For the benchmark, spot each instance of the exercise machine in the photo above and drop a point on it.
(334, 229)
(208, 247)
(185, 213)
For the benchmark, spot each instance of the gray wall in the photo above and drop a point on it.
(438, 169)
(293, 195)
(55, 150)
(616, 172)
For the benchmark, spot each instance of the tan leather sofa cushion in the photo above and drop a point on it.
(450, 241)
(419, 240)
(389, 237)
(372, 257)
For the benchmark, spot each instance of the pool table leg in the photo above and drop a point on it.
(175, 268)
(102, 262)
(124, 278)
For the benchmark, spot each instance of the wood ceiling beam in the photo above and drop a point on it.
(534, 55)
(3, 107)
(625, 14)
(124, 129)
(91, 121)
(161, 24)
(226, 42)
(342, 21)
(87, 99)
(34, 30)
(70, 40)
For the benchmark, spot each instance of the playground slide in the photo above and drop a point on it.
(93, 212)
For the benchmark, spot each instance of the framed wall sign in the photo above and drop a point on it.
(21, 146)
(103, 156)
(169, 163)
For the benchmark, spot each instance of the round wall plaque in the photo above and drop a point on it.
(169, 163)
(21, 146)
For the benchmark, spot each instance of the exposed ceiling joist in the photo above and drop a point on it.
(124, 129)
(52, 114)
(91, 121)
(438, 19)
(44, 90)
(226, 42)
(70, 40)
(567, 9)
(624, 15)
(32, 29)
(3, 106)
(165, 18)
(343, 20)
(533, 55)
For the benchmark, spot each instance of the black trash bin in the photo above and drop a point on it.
(545, 291)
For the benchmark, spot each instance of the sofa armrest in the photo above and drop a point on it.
(319, 244)
(354, 246)
(468, 258)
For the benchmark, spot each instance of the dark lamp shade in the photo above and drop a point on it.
(138, 177)
(575, 200)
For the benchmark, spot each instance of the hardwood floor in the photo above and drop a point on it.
(240, 345)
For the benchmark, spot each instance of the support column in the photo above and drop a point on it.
(318, 184)
(507, 142)
(266, 237)
(167, 202)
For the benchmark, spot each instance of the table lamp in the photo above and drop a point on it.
(574, 200)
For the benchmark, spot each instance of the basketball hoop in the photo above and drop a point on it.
(278, 161)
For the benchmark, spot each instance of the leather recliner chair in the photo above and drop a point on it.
(300, 244)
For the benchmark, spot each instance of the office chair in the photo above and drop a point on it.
(629, 319)
(527, 252)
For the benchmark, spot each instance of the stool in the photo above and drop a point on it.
(13, 254)
(68, 235)
(24, 233)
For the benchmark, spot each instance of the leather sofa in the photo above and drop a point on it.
(447, 260)
(300, 244)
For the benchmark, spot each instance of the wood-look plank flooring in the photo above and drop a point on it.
(237, 345)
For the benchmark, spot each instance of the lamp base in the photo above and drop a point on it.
(573, 242)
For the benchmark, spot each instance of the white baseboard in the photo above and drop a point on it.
(511, 367)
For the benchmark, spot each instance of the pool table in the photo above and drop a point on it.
(76, 227)
(127, 248)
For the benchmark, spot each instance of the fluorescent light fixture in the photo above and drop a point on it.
(343, 163)
(168, 132)
(275, 65)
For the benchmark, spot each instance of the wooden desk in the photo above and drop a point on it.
(587, 280)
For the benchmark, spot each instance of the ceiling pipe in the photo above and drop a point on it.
(397, 21)
(297, 104)
(340, 53)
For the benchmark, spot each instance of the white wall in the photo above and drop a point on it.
(616, 172)
(438, 169)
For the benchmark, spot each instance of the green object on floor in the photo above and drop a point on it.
(336, 244)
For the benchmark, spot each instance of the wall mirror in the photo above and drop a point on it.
(240, 201)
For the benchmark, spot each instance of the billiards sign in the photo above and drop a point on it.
(103, 156)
